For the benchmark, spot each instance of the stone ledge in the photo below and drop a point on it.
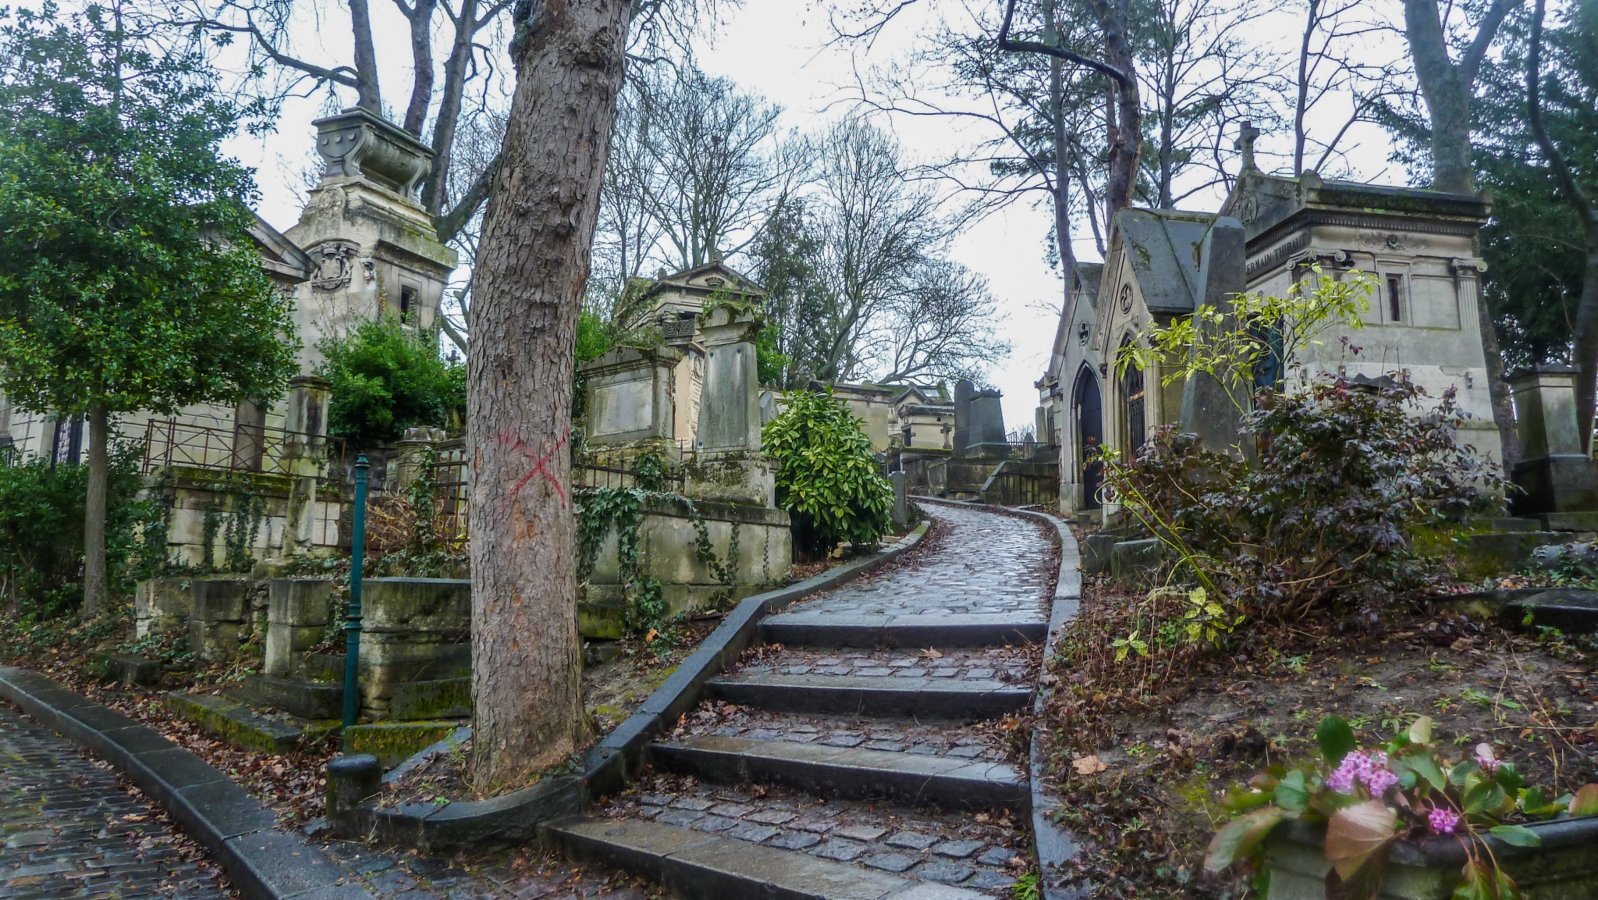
(815, 629)
(608, 766)
(944, 781)
(262, 863)
(851, 695)
(693, 865)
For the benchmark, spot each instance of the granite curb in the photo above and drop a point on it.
(517, 817)
(260, 861)
(1054, 845)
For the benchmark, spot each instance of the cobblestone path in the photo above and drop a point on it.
(858, 760)
(68, 828)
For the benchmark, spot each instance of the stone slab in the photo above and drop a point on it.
(949, 782)
(825, 629)
(861, 695)
(306, 699)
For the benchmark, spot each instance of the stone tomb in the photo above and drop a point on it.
(630, 395)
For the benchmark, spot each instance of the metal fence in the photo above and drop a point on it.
(246, 448)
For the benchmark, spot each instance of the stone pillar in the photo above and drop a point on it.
(298, 611)
(1553, 474)
(728, 464)
(1208, 411)
(304, 459)
(411, 454)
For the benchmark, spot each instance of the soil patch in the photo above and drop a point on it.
(1142, 749)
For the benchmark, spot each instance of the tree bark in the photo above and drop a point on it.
(95, 582)
(421, 21)
(531, 271)
(1497, 388)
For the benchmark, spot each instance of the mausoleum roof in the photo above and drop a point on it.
(1162, 247)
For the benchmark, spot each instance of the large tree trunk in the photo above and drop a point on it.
(531, 270)
(94, 504)
(368, 90)
(1126, 132)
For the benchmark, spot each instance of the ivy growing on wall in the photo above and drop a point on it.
(601, 510)
(235, 514)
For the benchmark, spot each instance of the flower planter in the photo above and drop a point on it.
(1564, 867)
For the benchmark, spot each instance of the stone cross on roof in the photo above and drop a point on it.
(1245, 145)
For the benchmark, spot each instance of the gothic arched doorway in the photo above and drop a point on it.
(1089, 408)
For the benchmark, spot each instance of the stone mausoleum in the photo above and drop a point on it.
(363, 247)
(1417, 246)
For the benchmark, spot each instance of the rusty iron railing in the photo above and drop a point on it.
(246, 448)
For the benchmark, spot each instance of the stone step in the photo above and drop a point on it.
(693, 865)
(944, 781)
(824, 629)
(297, 697)
(231, 720)
(860, 695)
(1568, 609)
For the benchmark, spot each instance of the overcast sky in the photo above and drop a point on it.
(782, 50)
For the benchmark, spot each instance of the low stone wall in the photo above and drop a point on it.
(412, 630)
(667, 551)
(195, 495)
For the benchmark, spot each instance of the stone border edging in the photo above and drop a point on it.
(1054, 845)
(262, 862)
(618, 756)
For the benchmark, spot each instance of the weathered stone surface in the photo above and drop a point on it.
(306, 699)
(1131, 559)
(236, 724)
(161, 604)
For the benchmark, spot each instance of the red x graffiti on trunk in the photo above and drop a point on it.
(540, 464)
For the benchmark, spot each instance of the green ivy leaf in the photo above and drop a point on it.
(1241, 838)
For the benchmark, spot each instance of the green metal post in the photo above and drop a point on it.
(352, 622)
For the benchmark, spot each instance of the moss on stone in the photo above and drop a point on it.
(394, 742)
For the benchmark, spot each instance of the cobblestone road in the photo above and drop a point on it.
(983, 563)
(69, 829)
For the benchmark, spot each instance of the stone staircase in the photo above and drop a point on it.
(862, 751)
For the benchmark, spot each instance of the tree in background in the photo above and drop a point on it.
(1570, 101)
(128, 280)
(387, 376)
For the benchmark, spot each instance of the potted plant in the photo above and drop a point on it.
(1405, 820)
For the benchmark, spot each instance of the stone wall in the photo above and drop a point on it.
(667, 541)
(194, 495)
(413, 630)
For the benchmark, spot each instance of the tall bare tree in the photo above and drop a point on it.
(1200, 74)
(1116, 62)
(1334, 65)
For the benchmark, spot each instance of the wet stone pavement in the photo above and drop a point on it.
(898, 764)
(70, 828)
(983, 563)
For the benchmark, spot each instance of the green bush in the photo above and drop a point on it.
(826, 474)
(387, 377)
(41, 534)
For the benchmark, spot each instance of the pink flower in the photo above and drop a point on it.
(1443, 820)
(1485, 758)
(1379, 780)
(1362, 768)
